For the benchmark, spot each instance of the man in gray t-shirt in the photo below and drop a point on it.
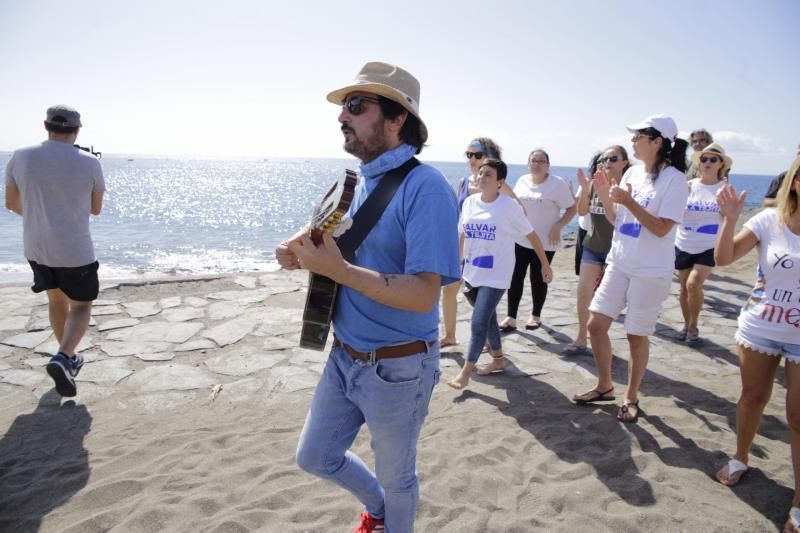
(55, 186)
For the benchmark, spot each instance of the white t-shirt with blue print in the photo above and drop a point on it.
(416, 233)
(702, 220)
(490, 231)
(635, 250)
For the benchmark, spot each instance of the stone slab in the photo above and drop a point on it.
(51, 346)
(107, 372)
(279, 343)
(103, 302)
(27, 340)
(231, 331)
(243, 297)
(22, 377)
(12, 323)
(142, 309)
(197, 344)
(169, 303)
(106, 310)
(243, 364)
(182, 314)
(194, 301)
(123, 349)
(224, 310)
(291, 379)
(177, 332)
(117, 324)
(172, 377)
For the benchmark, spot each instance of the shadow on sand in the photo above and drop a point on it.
(600, 440)
(43, 462)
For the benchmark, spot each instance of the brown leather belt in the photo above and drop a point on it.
(387, 352)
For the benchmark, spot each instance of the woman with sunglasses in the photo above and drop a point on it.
(544, 198)
(478, 151)
(645, 208)
(769, 322)
(694, 245)
(612, 163)
(489, 225)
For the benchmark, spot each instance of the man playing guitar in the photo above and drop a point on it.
(384, 361)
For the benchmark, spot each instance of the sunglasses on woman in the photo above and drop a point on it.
(712, 159)
(355, 105)
(474, 155)
(609, 159)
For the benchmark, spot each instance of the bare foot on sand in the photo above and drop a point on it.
(459, 382)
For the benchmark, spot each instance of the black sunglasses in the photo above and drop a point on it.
(609, 159)
(476, 155)
(712, 159)
(355, 104)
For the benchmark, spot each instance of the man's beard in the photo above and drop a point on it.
(371, 146)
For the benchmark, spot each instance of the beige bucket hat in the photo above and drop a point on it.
(389, 81)
(713, 149)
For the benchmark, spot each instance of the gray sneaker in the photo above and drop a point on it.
(63, 370)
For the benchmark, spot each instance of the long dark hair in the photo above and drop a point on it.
(670, 154)
(624, 153)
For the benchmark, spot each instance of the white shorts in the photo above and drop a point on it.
(642, 296)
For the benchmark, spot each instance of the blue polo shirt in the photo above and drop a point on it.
(417, 233)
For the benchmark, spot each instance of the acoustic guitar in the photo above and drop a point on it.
(321, 295)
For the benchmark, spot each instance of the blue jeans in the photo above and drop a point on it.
(484, 322)
(392, 397)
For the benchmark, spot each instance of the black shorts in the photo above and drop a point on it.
(684, 260)
(78, 283)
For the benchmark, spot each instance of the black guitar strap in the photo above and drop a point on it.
(373, 207)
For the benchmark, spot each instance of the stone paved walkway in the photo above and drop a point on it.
(169, 342)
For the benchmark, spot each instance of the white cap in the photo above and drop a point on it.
(664, 124)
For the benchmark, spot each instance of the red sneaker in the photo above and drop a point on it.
(369, 524)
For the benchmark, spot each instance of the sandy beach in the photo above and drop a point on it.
(195, 391)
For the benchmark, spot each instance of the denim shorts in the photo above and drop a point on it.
(595, 258)
(769, 346)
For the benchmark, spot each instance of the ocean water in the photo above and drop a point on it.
(171, 216)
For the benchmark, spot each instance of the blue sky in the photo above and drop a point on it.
(249, 78)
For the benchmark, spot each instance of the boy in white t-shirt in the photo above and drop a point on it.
(489, 225)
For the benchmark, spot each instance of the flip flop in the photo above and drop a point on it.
(533, 325)
(597, 396)
(573, 349)
(623, 415)
(445, 344)
(735, 471)
(793, 523)
(507, 328)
